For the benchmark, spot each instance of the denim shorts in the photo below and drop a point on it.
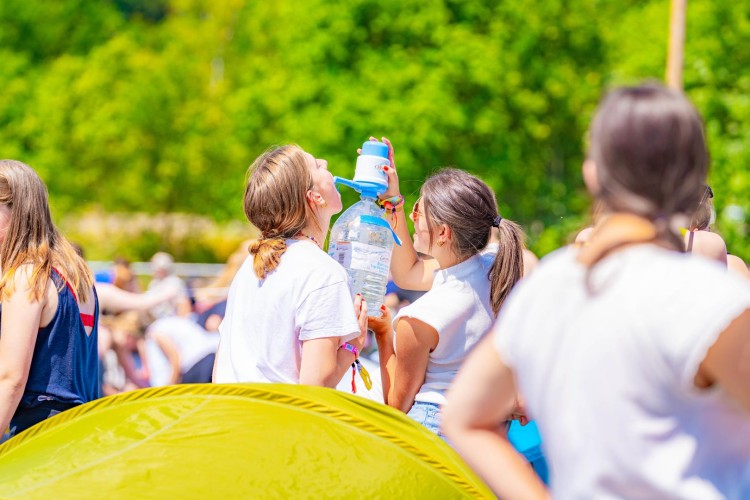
(427, 414)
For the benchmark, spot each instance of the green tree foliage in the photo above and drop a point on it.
(136, 106)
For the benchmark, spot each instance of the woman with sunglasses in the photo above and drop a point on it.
(632, 356)
(422, 350)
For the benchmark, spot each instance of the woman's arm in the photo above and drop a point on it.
(408, 270)
(18, 331)
(115, 299)
(738, 266)
(383, 330)
(480, 399)
(125, 359)
(172, 354)
(323, 363)
(727, 362)
(406, 367)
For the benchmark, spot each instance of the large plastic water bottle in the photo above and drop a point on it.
(361, 239)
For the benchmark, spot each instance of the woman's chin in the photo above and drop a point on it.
(418, 246)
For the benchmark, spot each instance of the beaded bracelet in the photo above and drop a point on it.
(391, 205)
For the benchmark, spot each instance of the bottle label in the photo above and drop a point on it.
(341, 252)
(361, 257)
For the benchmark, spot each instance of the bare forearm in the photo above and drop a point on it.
(344, 360)
(176, 376)
(405, 262)
(10, 395)
(115, 299)
(491, 455)
(387, 360)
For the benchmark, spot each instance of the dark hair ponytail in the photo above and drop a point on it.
(651, 160)
(507, 268)
(467, 205)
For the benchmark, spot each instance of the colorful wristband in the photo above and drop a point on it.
(350, 348)
(390, 205)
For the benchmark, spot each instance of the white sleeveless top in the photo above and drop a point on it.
(458, 307)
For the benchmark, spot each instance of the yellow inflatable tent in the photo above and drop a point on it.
(233, 441)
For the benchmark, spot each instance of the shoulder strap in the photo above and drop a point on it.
(87, 319)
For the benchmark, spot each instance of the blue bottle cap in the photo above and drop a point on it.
(375, 148)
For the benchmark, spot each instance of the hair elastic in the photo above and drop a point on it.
(497, 221)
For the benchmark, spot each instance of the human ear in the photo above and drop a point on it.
(445, 233)
(315, 198)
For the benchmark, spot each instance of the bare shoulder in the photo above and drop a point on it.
(706, 244)
(20, 281)
(530, 261)
(737, 266)
(584, 236)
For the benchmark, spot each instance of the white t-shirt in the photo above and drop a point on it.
(307, 297)
(458, 307)
(192, 342)
(608, 375)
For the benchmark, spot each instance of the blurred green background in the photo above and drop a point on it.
(143, 115)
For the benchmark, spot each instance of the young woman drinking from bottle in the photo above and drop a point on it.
(289, 315)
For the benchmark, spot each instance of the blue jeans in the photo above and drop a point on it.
(427, 414)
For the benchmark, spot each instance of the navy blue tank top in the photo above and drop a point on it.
(65, 364)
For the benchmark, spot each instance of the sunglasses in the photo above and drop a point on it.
(415, 213)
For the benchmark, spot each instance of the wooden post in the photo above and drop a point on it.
(676, 54)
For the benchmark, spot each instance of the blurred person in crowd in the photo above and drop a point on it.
(162, 268)
(289, 316)
(122, 350)
(178, 351)
(631, 355)
(211, 318)
(119, 275)
(48, 330)
(216, 290)
(123, 276)
(116, 342)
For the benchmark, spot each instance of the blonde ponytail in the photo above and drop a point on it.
(266, 254)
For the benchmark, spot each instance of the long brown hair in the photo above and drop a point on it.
(276, 203)
(32, 238)
(651, 160)
(467, 205)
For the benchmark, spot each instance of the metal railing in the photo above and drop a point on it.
(184, 269)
